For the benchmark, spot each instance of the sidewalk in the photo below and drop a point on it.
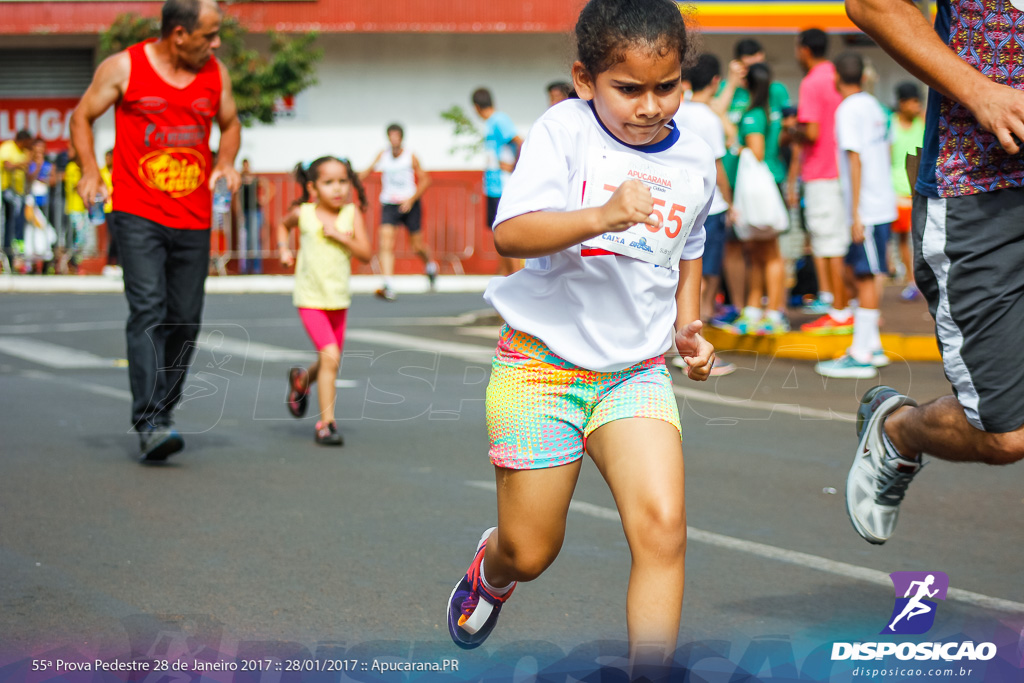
(908, 333)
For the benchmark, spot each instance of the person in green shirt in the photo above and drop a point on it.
(906, 126)
(731, 102)
(766, 275)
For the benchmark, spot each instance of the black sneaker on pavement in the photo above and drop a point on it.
(159, 443)
(327, 434)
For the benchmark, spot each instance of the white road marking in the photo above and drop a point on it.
(751, 404)
(37, 328)
(92, 388)
(52, 355)
(473, 353)
(770, 552)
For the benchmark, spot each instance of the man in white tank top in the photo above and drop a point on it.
(403, 182)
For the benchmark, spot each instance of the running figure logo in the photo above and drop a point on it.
(914, 611)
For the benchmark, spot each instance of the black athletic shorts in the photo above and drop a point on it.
(969, 264)
(390, 215)
(492, 210)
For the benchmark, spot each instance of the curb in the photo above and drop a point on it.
(238, 284)
(798, 346)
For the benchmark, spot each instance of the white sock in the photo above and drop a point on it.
(826, 297)
(865, 334)
(497, 592)
(387, 283)
(432, 268)
(752, 313)
(839, 316)
(774, 316)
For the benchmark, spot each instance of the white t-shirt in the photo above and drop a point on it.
(398, 179)
(863, 127)
(597, 310)
(699, 118)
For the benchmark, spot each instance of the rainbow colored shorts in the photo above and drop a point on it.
(541, 408)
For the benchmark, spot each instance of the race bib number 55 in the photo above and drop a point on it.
(677, 194)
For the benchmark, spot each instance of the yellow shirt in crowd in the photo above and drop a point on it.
(108, 181)
(72, 174)
(9, 151)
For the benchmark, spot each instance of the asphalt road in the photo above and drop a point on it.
(255, 540)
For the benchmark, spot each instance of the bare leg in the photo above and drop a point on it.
(532, 506)
(906, 256)
(774, 275)
(824, 275)
(707, 296)
(419, 246)
(326, 367)
(386, 251)
(734, 266)
(835, 267)
(867, 291)
(941, 429)
(642, 461)
(755, 274)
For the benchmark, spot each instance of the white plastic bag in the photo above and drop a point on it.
(760, 212)
(39, 234)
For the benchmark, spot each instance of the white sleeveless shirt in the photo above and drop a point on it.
(398, 180)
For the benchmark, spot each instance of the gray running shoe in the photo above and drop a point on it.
(158, 444)
(432, 276)
(876, 483)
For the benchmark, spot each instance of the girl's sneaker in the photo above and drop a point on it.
(826, 324)
(327, 434)
(771, 328)
(472, 609)
(879, 359)
(744, 324)
(297, 398)
(726, 316)
(846, 367)
(817, 307)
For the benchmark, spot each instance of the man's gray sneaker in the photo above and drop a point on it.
(877, 483)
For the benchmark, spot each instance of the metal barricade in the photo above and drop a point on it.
(452, 219)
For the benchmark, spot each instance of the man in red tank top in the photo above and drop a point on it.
(167, 93)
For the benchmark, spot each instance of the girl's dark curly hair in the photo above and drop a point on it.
(607, 28)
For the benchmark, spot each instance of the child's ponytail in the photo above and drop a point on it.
(357, 184)
(302, 177)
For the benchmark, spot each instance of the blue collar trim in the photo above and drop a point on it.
(670, 139)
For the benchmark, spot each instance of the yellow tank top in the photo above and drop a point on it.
(322, 268)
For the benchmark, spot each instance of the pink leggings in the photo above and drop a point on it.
(325, 327)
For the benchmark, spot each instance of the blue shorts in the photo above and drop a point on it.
(714, 245)
(868, 258)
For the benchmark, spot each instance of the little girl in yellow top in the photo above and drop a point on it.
(331, 231)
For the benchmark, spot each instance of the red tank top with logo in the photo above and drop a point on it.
(162, 158)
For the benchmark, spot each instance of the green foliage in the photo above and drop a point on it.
(468, 138)
(257, 80)
(127, 30)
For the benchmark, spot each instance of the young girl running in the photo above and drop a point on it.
(331, 231)
(607, 203)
